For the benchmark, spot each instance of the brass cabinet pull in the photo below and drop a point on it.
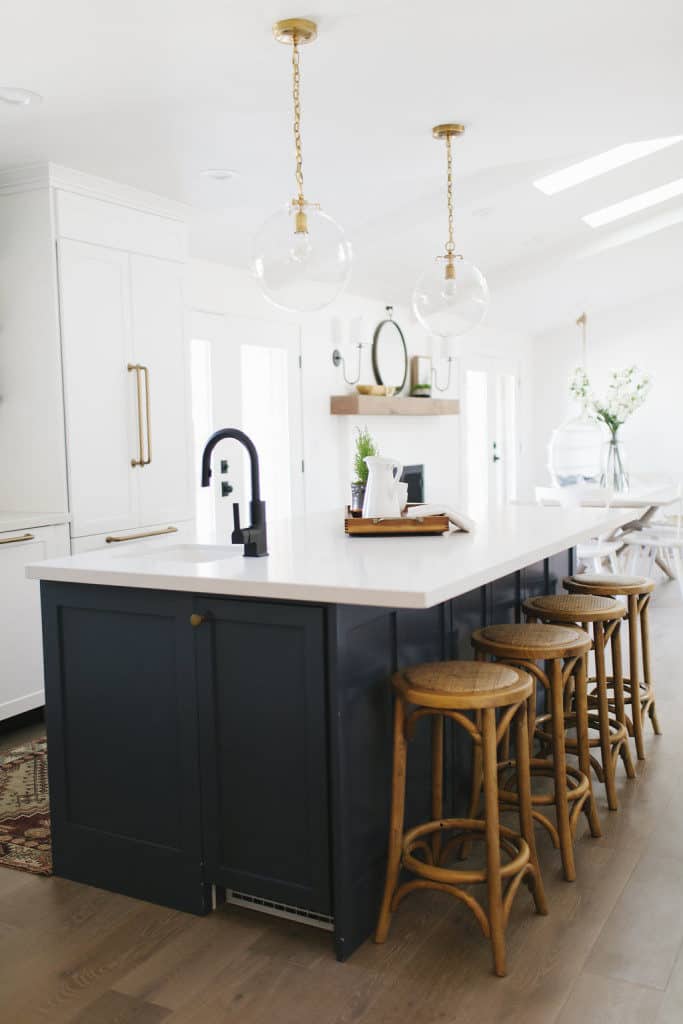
(141, 536)
(196, 620)
(17, 540)
(142, 371)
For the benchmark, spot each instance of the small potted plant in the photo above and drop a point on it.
(365, 446)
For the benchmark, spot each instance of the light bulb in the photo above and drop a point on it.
(450, 306)
(301, 271)
(302, 249)
(450, 289)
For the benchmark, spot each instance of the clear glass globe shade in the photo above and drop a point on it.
(575, 451)
(301, 272)
(448, 308)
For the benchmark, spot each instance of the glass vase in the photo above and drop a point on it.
(614, 475)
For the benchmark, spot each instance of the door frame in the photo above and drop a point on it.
(489, 363)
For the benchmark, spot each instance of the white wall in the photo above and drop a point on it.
(328, 440)
(648, 333)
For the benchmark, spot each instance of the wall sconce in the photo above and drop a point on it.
(338, 360)
(341, 337)
(449, 361)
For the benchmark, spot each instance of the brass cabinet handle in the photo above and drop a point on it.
(141, 536)
(196, 620)
(17, 540)
(142, 371)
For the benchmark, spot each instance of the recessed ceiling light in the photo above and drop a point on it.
(602, 163)
(18, 97)
(634, 204)
(219, 173)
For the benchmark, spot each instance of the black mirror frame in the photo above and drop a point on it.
(375, 339)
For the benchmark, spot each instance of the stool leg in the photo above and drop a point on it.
(559, 764)
(398, 798)
(475, 790)
(619, 704)
(493, 877)
(437, 782)
(603, 717)
(526, 820)
(647, 665)
(582, 744)
(633, 654)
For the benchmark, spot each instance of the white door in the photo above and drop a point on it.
(159, 346)
(489, 409)
(246, 373)
(99, 391)
(21, 647)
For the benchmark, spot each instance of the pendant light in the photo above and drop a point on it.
(451, 297)
(300, 255)
(575, 448)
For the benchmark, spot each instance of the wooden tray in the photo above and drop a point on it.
(356, 526)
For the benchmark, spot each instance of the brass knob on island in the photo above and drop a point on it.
(196, 620)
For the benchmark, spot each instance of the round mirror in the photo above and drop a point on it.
(390, 354)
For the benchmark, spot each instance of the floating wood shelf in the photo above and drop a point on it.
(372, 405)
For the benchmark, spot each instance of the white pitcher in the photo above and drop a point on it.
(382, 497)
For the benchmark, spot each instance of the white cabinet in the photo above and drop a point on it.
(97, 347)
(165, 490)
(126, 389)
(21, 649)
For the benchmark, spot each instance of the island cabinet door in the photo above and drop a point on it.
(123, 742)
(263, 743)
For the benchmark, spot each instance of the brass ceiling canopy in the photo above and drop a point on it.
(447, 131)
(299, 30)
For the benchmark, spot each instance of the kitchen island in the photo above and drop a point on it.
(219, 727)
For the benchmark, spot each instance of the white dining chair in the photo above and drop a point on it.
(598, 554)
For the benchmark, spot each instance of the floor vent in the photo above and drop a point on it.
(245, 899)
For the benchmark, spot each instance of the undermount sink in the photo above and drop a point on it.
(192, 553)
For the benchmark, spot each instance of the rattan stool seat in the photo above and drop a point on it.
(531, 640)
(574, 608)
(609, 584)
(462, 684)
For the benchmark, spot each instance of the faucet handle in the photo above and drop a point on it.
(237, 531)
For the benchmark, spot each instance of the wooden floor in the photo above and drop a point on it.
(611, 949)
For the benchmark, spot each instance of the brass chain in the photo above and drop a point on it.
(296, 94)
(450, 244)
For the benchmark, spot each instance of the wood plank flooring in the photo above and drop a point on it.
(610, 950)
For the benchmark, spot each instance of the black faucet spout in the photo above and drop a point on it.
(253, 537)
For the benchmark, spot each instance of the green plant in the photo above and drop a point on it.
(365, 446)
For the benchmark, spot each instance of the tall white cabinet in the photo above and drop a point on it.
(95, 419)
(125, 389)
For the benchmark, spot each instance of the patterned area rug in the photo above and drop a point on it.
(25, 809)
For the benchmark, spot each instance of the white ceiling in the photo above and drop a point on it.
(150, 93)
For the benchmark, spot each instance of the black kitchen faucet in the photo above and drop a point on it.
(254, 537)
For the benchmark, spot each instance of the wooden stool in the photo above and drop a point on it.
(601, 617)
(640, 693)
(446, 690)
(563, 649)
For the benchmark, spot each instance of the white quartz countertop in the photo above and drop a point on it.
(10, 521)
(313, 560)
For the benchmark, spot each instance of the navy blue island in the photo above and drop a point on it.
(219, 727)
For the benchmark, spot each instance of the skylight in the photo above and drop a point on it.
(634, 204)
(602, 163)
